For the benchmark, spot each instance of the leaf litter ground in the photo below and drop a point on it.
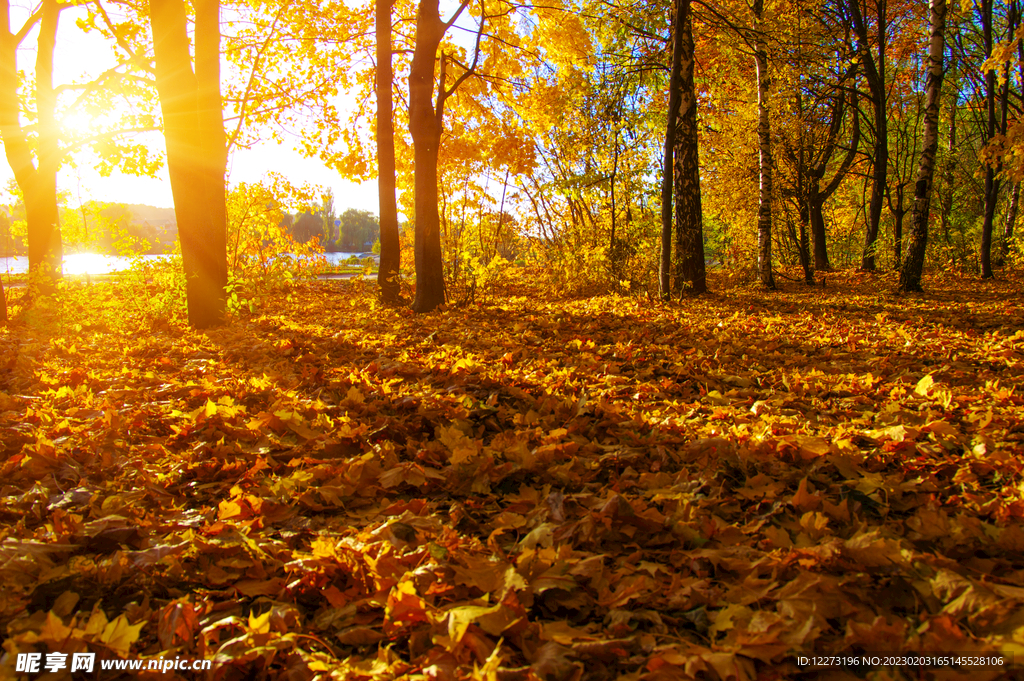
(580, 489)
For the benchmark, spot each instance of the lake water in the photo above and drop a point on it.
(94, 263)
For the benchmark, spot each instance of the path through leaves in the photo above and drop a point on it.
(591, 489)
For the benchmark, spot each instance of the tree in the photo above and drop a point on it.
(426, 117)
(689, 219)
(390, 243)
(327, 217)
(874, 64)
(38, 181)
(764, 152)
(359, 229)
(196, 152)
(913, 266)
(822, 70)
(995, 121)
(675, 97)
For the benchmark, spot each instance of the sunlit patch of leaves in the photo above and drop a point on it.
(519, 489)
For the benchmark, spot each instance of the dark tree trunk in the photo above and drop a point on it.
(804, 246)
(425, 126)
(991, 181)
(671, 129)
(913, 266)
(874, 74)
(816, 196)
(196, 153)
(390, 241)
(764, 148)
(689, 265)
(38, 181)
(815, 206)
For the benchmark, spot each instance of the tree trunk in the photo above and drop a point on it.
(816, 197)
(196, 153)
(38, 181)
(897, 235)
(949, 170)
(804, 245)
(425, 126)
(671, 129)
(816, 205)
(1011, 218)
(913, 266)
(991, 181)
(874, 73)
(764, 148)
(611, 183)
(690, 268)
(390, 241)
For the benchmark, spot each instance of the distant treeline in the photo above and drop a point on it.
(150, 230)
(358, 231)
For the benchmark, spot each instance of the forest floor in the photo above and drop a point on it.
(525, 487)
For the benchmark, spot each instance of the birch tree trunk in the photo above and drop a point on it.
(764, 148)
(913, 266)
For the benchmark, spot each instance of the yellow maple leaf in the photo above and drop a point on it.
(120, 634)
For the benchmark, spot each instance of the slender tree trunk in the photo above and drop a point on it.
(498, 250)
(615, 172)
(764, 148)
(425, 126)
(991, 181)
(1011, 218)
(913, 266)
(390, 241)
(38, 181)
(815, 206)
(897, 235)
(671, 129)
(874, 72)
(948, 171)
(196, 152)
(690, 268)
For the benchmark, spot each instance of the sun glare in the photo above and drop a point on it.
(87, 263)
(77, 121)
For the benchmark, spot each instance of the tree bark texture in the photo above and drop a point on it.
(390, 241)
(874, 74)
(196, 154)
(37, 179)
(689, 265)
(671, 130)
(425, 126)
(913, 265)
(764, 148)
